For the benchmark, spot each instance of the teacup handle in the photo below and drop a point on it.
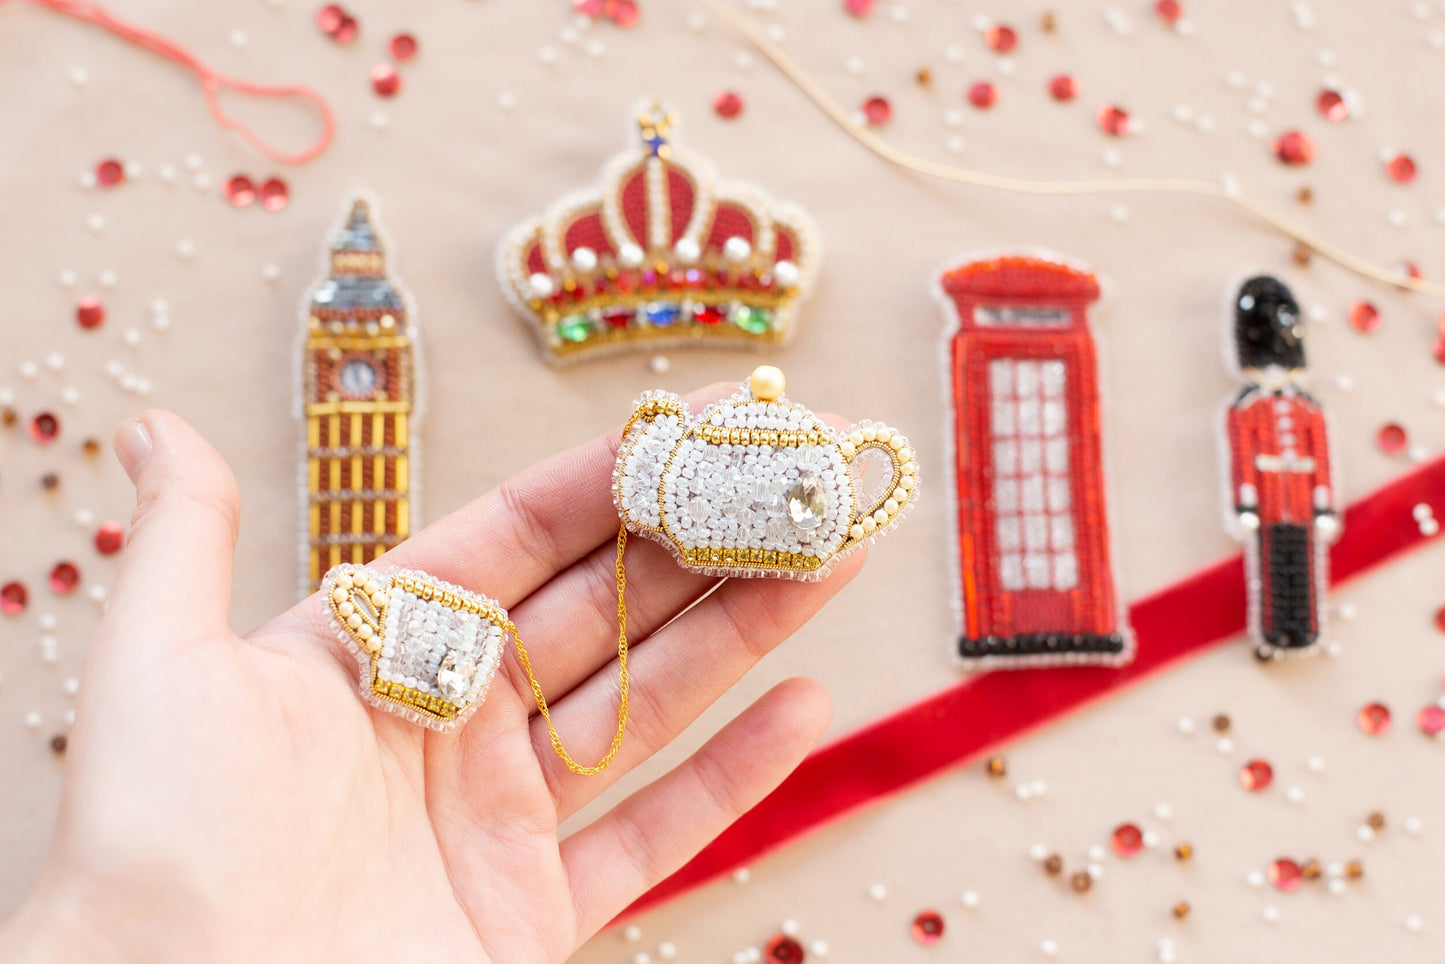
(891, 500)
(358, 598)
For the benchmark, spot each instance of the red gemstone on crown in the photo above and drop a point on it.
(618, 317)
(708, 314)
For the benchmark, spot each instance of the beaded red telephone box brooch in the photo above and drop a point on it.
(1035, 575)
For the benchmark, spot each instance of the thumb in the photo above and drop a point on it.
(175, 578)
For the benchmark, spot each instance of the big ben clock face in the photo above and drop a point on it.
(359, 378)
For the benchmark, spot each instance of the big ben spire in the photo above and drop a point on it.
(359, 404)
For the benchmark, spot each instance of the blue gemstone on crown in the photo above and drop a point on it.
(660, 314)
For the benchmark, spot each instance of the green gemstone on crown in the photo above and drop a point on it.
(754, 321)
(575, 328)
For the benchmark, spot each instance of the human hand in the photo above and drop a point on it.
(231, 798)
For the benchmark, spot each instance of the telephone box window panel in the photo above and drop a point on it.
(1035, 567)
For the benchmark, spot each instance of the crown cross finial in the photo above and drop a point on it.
(654, 124)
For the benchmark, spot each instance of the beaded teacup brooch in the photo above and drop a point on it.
(660, 254)
(756, 485)
(427, 649)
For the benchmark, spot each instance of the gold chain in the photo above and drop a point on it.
(622, 679)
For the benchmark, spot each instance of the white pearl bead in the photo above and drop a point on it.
(737, 249)
(630, 255)
(686, 250)
(785, 273)
(584, 259)
(541, 285)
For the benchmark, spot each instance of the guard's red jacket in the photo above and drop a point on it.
(1279, 456)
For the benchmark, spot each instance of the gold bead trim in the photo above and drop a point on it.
(752, 559)
(718, 435)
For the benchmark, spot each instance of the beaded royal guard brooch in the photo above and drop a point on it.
(427, 649)
(660, 254)
(1281, 484)
(1033, 557)
(359, 400)
(756, 485)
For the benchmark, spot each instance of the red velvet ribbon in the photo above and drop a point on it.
(965, 720)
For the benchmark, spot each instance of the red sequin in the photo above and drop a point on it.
(1439, 349)
(109, 173)
(1332, 105)
(927, 927)
(13, 597)
(1114, 120)
(329, 18)
(64, 578)
(1001, 38)
(89, 312)
(1063, 87)
(1127, 840)
(623, 12)
(1364, 317)
(1256, 775)
(728, 104)
(877, 110)
(1391, 438)
(347, 30)
(858, 8)
(1169, 11)
(109, 538)
(1430, 719)
(782, 949)
(239, 191)
(1374, 719)
(402, 47)
(1285, 874)
(1409, 269)
(983, 95)
(1440, 619)
(44, 427)
(588, 8)
(274, 194)
(1401, 168)
(1294, 148)
(385, 80)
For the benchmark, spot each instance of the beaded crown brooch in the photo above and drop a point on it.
(660, 254)
(756, 485)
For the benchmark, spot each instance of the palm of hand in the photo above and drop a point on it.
(232, 798)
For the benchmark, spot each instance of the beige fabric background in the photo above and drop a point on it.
(453, 170)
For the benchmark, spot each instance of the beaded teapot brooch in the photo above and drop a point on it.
(756, 485)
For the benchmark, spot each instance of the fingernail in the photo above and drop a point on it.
(133, 446)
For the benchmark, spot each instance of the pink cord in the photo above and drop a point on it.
(211, 81)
